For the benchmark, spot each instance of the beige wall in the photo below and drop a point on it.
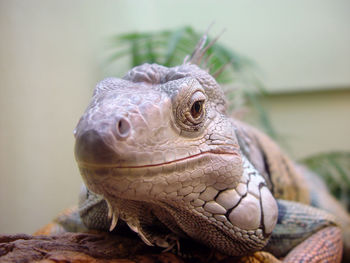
(311, 122)
(52, 54)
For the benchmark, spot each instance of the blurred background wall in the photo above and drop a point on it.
(52, 53)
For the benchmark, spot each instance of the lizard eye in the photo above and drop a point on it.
(190, 107)
(197, 108)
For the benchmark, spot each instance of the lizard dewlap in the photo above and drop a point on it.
(159, 150)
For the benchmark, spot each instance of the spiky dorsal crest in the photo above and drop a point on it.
(200, 57)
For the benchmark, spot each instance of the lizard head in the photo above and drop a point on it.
(157, 144)
(154, 115)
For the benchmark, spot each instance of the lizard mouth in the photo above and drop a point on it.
(83, 164)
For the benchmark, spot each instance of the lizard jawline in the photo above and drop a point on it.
(216, 152)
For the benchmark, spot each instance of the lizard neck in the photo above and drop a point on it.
(281, 174)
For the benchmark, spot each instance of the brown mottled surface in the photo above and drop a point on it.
(91, 247)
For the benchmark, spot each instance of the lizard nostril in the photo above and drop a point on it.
(122, 128)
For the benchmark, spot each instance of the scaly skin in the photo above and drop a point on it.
(157, 150)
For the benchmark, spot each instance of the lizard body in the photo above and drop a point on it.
(157, 150)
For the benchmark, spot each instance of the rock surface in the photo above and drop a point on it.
(92, 247)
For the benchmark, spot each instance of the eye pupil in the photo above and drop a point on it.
(196, 109)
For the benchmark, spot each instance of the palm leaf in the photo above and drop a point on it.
(334, 168)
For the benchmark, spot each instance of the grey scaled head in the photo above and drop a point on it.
(147, 111)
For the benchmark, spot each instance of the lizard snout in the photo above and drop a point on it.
(91, 148)
(99, 140)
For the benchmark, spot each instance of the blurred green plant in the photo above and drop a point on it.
(170, 47)
(334, 168)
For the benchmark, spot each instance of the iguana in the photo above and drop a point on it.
(157, 150)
